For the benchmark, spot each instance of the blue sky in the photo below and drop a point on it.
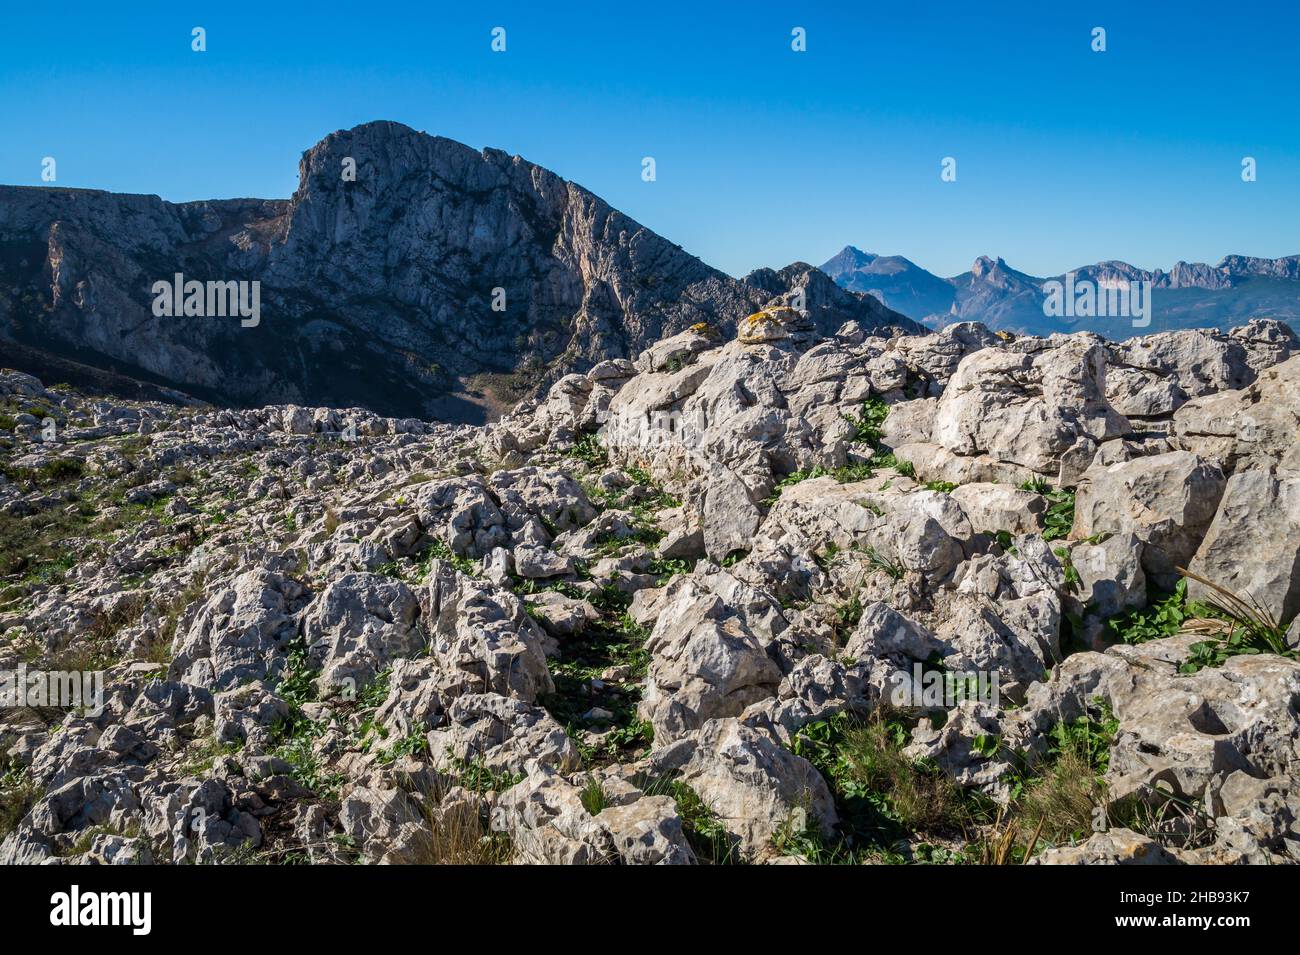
(764, 156)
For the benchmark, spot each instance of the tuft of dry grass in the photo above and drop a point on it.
(1060, 805)
(921, 800)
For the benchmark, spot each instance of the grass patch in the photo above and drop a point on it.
(593, 796)
(882, 795)
(35, 547)
(52, 473)
(613, 642)
(18, 793)
(202, 757)
(1060, 800)
(477, 777)
(608, 544)
(439, 550)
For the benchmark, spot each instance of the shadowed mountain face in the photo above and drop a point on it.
(438, 281)
(1190, 295)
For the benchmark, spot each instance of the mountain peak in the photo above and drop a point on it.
(409, 273)
(848, 259)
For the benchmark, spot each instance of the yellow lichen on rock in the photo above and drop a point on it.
(767, 325)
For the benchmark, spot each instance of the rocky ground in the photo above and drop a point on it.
(662, 614)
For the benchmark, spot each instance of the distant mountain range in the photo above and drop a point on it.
(408, 274)
(1190, 295)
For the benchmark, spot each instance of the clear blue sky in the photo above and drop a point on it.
(764, 155)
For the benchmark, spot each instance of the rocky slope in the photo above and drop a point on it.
(1190, 295)
(377, 290)
(664, 613)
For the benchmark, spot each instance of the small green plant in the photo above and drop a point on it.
(879, 562)
(636, 734)
(414, 744)
(859, 471)
(890, 460)
(608, 543)
(477, 777)
(1090, 736)
(846, 619)
(609, 599)
(944, 487)
(439, 550)
(868, 422)
(827, 557)
(1072, 578)
(589, 451)
(848, 474)
(203, 755)
(1252, 629)
(1164, 617)
(639, 475)
(293, 739)
(298, 686)
(666, 569)
(593, 796)
(1059, 519)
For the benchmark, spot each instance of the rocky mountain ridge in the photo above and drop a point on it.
(1190, 295)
